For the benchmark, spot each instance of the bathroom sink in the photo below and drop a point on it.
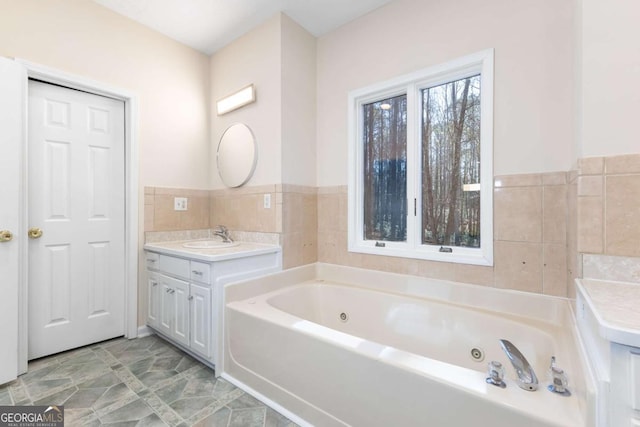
(209, 244)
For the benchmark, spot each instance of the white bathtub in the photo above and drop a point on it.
(400, 358)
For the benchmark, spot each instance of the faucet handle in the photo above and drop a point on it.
(495, 374)
(559, 380)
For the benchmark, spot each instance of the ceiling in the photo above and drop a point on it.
(208, 25)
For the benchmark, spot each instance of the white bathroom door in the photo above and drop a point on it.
(76, 200)
(11, 77)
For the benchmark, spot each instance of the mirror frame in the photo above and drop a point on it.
(246, 176)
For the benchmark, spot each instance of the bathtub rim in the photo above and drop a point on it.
(549, 308)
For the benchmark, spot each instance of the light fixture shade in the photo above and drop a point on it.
(244, 96)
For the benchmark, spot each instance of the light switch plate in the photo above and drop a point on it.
(267, 201)
(180, 203)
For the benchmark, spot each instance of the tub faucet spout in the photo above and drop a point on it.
(527, 379)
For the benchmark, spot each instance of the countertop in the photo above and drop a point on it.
(244, 249)
(616, 306)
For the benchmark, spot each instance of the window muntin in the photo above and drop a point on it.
(429, 231)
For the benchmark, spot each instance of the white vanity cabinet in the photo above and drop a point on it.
(625, 385)
(185, 291)
(178, 306)
(609, 323)
(174, 308)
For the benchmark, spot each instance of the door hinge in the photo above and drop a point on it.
(415, 207)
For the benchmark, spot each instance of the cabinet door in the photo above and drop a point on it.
(165, 298)
(201, 320)
(153, 299)
(174, 308)
(181, 309)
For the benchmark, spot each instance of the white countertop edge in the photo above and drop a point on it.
(211, 255)
(607, 330)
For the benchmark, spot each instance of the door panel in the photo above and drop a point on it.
(76, 196)
(11, 90)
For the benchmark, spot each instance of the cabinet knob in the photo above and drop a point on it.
(196, 272)
(190, 297)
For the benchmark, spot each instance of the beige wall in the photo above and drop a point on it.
(170, 79)
(160, 215)
(298, 104)
(563, 70)
(529, 241)
(533, 73)
(608, 205)
(279, 58)
(253, 58)
(292, 221)
(609, 69)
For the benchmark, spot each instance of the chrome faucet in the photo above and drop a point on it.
(559, 379)
(223, 232)
(527, 379)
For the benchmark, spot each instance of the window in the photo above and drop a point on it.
(420, 164)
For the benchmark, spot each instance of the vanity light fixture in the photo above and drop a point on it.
(244, 96)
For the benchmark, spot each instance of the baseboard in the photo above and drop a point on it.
(264, 399)
(144, 331)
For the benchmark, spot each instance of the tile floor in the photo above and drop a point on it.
(140, 382)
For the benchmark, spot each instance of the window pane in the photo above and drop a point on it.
(385, 169)
(451, 163)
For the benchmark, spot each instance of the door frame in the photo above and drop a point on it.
(61, 78)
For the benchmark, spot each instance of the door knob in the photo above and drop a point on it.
(35, 233)
(5, 235)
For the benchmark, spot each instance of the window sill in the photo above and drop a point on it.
(458, 255)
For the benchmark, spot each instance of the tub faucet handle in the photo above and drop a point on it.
(559, 380)
(495, 374)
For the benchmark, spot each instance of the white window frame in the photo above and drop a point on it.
(412, 84)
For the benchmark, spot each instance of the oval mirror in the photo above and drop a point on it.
(237, 155)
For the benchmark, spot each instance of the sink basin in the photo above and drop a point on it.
(209, 244)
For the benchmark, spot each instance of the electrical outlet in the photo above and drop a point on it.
(179, 203)
(267, 201)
